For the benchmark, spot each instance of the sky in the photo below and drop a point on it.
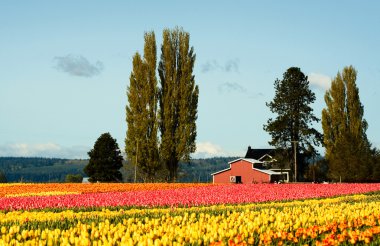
(65, 66)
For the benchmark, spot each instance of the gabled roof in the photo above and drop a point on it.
(269, 156)
(221, 171)
(252, 161)
(259, 153)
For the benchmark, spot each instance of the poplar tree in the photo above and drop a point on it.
(178, 100)
(348, 151)
(290, 130)
(141, 143)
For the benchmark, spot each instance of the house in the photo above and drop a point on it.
(264, 155)
(245, 171)
(258, 166)
(267, 156)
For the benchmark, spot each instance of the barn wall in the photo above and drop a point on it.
(260, 177)
(223, 177)
(244, 169)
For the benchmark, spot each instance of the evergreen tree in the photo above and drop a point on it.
(291, 130)
(348, 151)
(141, 143)
(178, 100)
(105, 160)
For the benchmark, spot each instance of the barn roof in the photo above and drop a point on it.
(221, 171)
(258, 153)
(253, 161)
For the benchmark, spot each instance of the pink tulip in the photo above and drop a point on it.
(195, 196)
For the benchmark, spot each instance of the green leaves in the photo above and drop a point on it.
(294, 115)
(141, 143)
(347, 147)
(105, 160)
(177, 98)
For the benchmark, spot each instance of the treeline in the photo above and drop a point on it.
(35, 169)
(199, 170)
(41, 170)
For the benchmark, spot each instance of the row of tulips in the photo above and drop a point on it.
(51, 215)
(25, 189)
(195, 195)
(351, 219)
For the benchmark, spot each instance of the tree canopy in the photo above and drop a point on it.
(291, 130)
(105, 160)
(141, 143)
(169, 109)
(178, 100)
(348, 150)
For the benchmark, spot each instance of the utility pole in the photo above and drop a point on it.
(137, 151)
(295, 160)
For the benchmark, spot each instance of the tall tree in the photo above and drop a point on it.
(105, 160)
(291, 130)
(141, 143)
(178, 99)
(347, 148)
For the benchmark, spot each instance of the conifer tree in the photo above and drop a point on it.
(291, 130)
(105, 160)
(348, 151)
(178, 100)
(141, 143)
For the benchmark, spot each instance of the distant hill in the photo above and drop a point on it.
(199, 170)
(35, 169)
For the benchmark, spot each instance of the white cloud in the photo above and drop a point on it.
(50, 150)
(319, 81)
(207, 149)
(78, 66)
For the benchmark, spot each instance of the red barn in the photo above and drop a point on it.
(246, 170)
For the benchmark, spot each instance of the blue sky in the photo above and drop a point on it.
(65, 66)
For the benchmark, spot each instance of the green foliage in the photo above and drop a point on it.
(196, 170)
(316, 171)
(200, 170)
(178, 100)
(141, 143)
(348, 150)
(375, 174)
(74, 178)
(14, 163)
(32, 169)
(294, 117)
(105, 160)
(3, 178)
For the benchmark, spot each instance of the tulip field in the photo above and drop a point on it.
(189, 214)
